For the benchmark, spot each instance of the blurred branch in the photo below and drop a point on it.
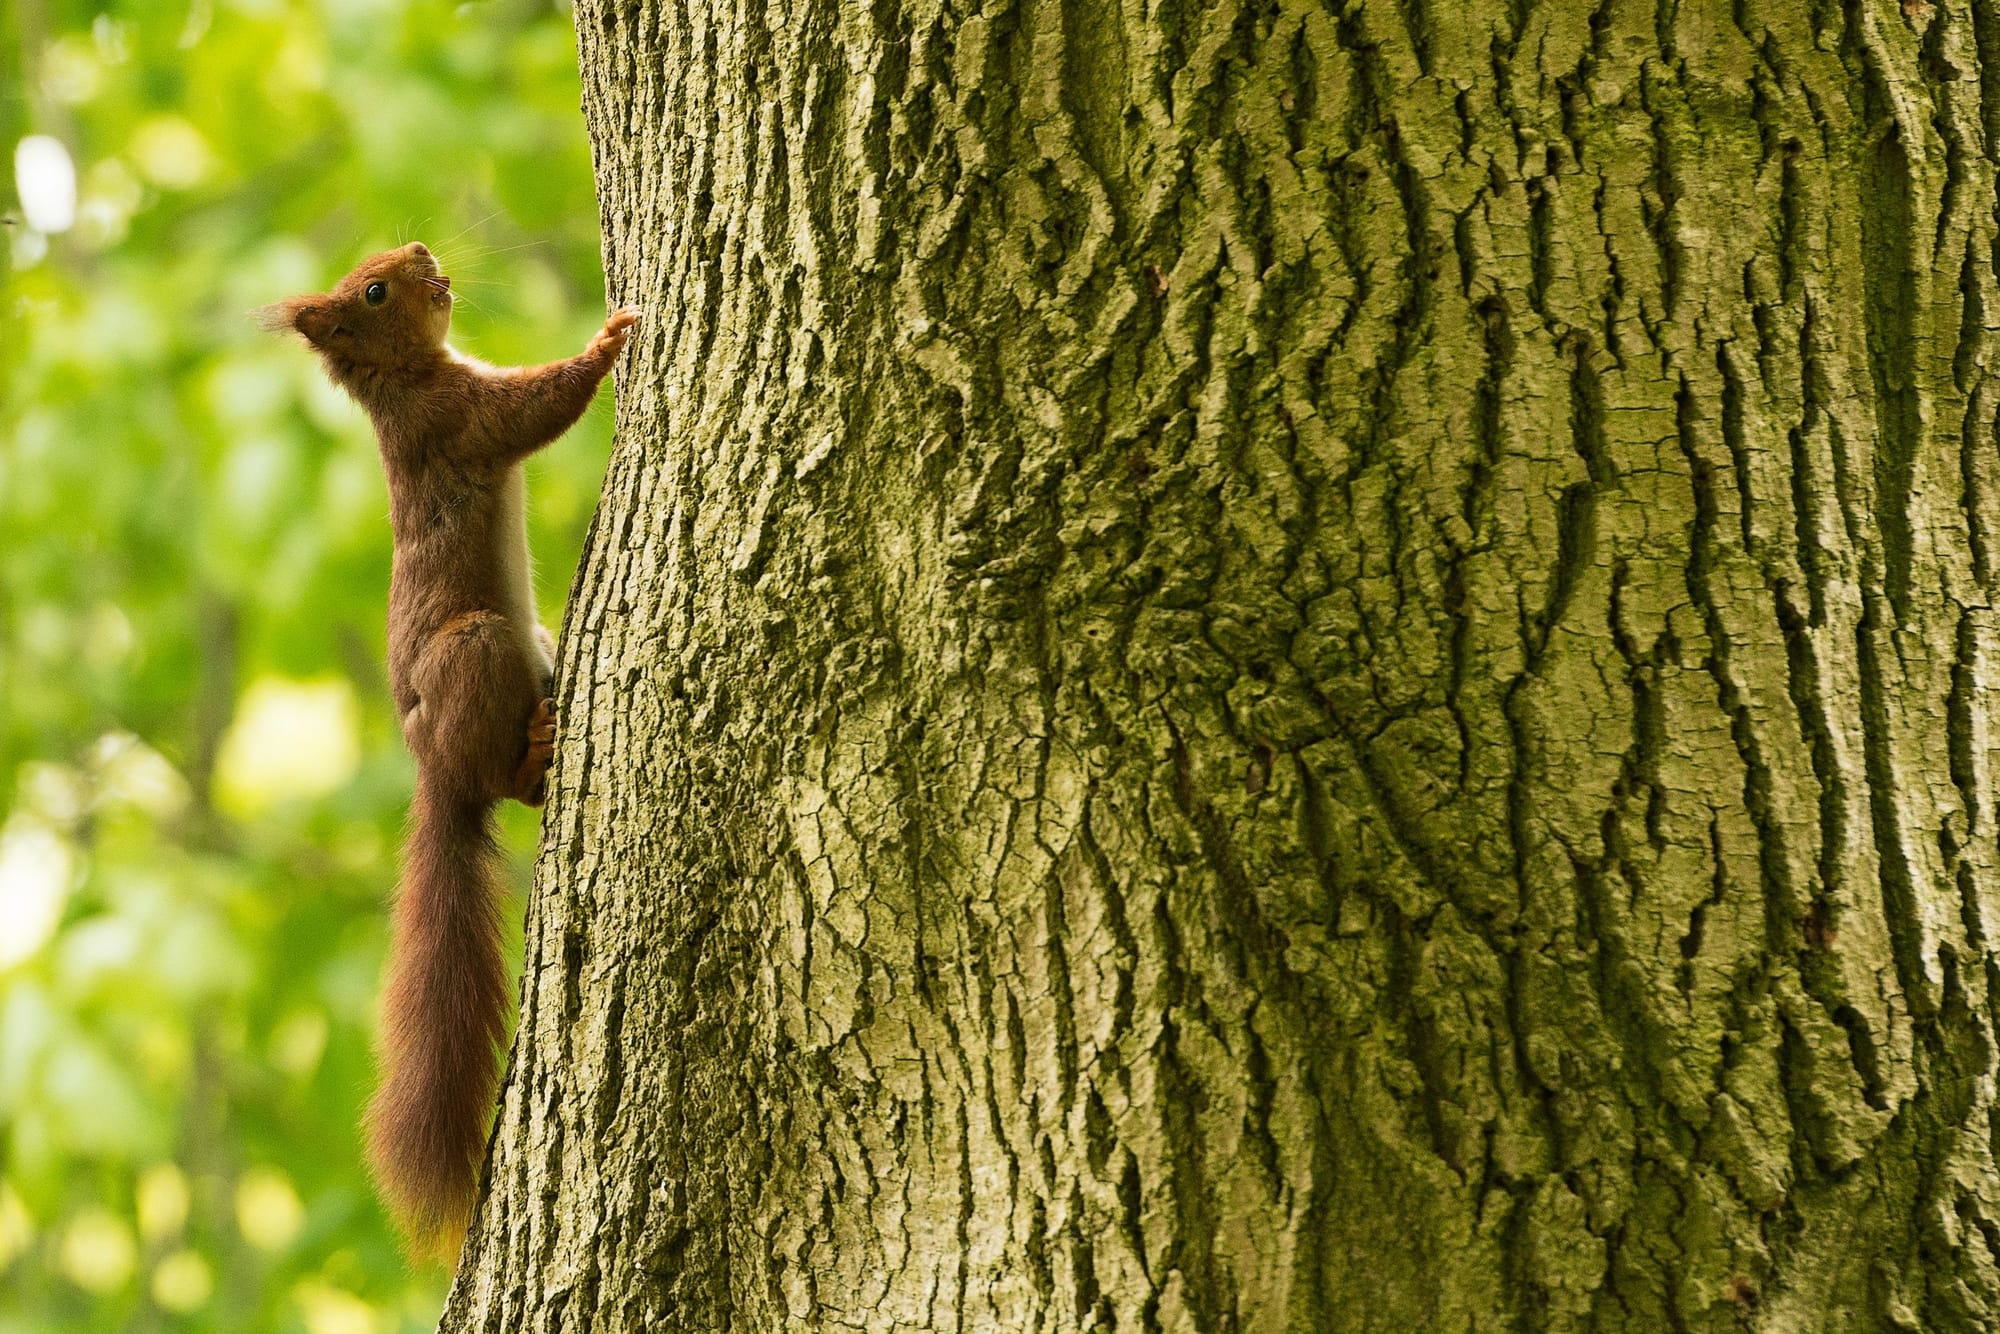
(220, 626)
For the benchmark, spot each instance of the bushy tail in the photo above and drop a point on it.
(444, 1014)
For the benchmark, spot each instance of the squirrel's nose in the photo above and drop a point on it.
(419, 248)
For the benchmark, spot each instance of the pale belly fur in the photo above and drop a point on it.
(510, 532)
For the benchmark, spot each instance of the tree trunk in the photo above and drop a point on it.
(1276, 666)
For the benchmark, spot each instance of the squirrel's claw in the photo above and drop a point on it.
(617, 328)
(531, 778)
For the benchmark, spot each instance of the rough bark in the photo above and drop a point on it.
(1276, 665)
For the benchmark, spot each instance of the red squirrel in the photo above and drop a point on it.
(471, 669)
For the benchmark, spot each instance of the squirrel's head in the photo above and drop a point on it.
(394, 308)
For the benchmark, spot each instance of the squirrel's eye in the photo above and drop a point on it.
(377, 293)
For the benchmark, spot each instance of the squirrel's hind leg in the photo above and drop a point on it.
(531, 780)
(474, 732)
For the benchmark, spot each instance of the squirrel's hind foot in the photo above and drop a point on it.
(531, 780)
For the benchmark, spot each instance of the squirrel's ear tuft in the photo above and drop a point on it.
(296, 314)
(278, 317)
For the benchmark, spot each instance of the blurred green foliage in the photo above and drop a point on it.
(202, 786)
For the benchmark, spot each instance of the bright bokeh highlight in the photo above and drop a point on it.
(45, 180)
(98, 1252)
(183, 1282)
(36, 865)
(290, 740)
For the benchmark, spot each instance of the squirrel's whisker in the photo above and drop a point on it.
(473, 256)
(463, 230)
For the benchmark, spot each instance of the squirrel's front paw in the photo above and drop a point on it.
(610, 340)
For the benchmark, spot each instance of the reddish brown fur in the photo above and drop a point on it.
(471, 671)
